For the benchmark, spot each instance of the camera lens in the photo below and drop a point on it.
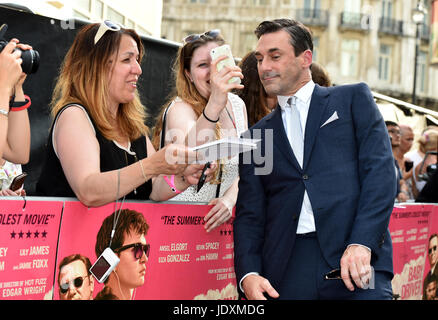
(31, 61)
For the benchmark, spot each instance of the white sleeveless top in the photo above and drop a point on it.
(230, 168)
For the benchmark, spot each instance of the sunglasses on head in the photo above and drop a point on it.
(432, 248)
(193, 37)
(105, 26)
(139, 248)
(77, 282)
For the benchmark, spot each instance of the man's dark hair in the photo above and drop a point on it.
(129, 221)
(391, 123)
(300, 35)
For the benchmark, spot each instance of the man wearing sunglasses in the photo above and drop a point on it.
(129, 244)
(74, 279)
(432, 254)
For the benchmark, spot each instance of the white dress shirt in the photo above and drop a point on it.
(306, 222)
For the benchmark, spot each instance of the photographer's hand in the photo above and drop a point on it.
(10, 67)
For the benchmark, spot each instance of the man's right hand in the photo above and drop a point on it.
(254, 286)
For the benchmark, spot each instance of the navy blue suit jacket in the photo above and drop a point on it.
(348, 172)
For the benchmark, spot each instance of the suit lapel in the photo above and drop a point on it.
(280, 138)
(317, 108)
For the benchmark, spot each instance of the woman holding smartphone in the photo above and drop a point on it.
(98, 148)
(204, 109)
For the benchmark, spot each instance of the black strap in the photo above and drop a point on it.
(218, 188)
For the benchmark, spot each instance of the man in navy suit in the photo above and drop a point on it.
(326, 204)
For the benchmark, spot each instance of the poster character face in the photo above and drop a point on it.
(433, 252)
(431, 290)
(74, 282)
(133, 254)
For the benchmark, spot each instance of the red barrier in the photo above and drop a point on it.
(185, 261)
(411, 227)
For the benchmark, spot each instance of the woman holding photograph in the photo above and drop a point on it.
(202, 110)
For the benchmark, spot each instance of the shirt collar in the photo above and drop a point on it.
(303, 94)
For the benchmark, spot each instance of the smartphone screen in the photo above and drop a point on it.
(18, 181)
(100, 267)
(408, 165)
(224, 50)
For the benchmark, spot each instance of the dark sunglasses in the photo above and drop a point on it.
(139, 248)
(432, 248)
(77, 282)
(193, 37)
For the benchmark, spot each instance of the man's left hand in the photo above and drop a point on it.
(355, 265)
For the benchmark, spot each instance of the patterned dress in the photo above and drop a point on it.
(7, 173)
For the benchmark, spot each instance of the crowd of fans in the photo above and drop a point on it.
(415, 167)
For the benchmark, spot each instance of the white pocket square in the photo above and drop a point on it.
(331, 119)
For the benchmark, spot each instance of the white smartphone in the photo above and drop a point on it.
(224, 50)
(104, 265)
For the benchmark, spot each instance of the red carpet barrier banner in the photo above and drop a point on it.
(185, 262)
(411, 228)
(28, 241)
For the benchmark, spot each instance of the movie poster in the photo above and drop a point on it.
(28, 240)
(185, 262)
(410, 229)
(430, 276)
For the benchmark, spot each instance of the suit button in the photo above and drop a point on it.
(305, 177)
(295, 217)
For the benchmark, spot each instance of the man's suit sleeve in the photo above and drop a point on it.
(376, 171)
(249, 222)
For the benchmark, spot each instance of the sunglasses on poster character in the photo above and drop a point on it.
(138, 250)
(77, 282)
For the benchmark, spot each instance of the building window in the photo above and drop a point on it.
(84, 5)
(312, 5)
(98, 9)
(350, 57)
(385, 62)
(115, 16)
(387, 8)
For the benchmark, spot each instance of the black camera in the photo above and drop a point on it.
(31, 58)
(430, 169)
